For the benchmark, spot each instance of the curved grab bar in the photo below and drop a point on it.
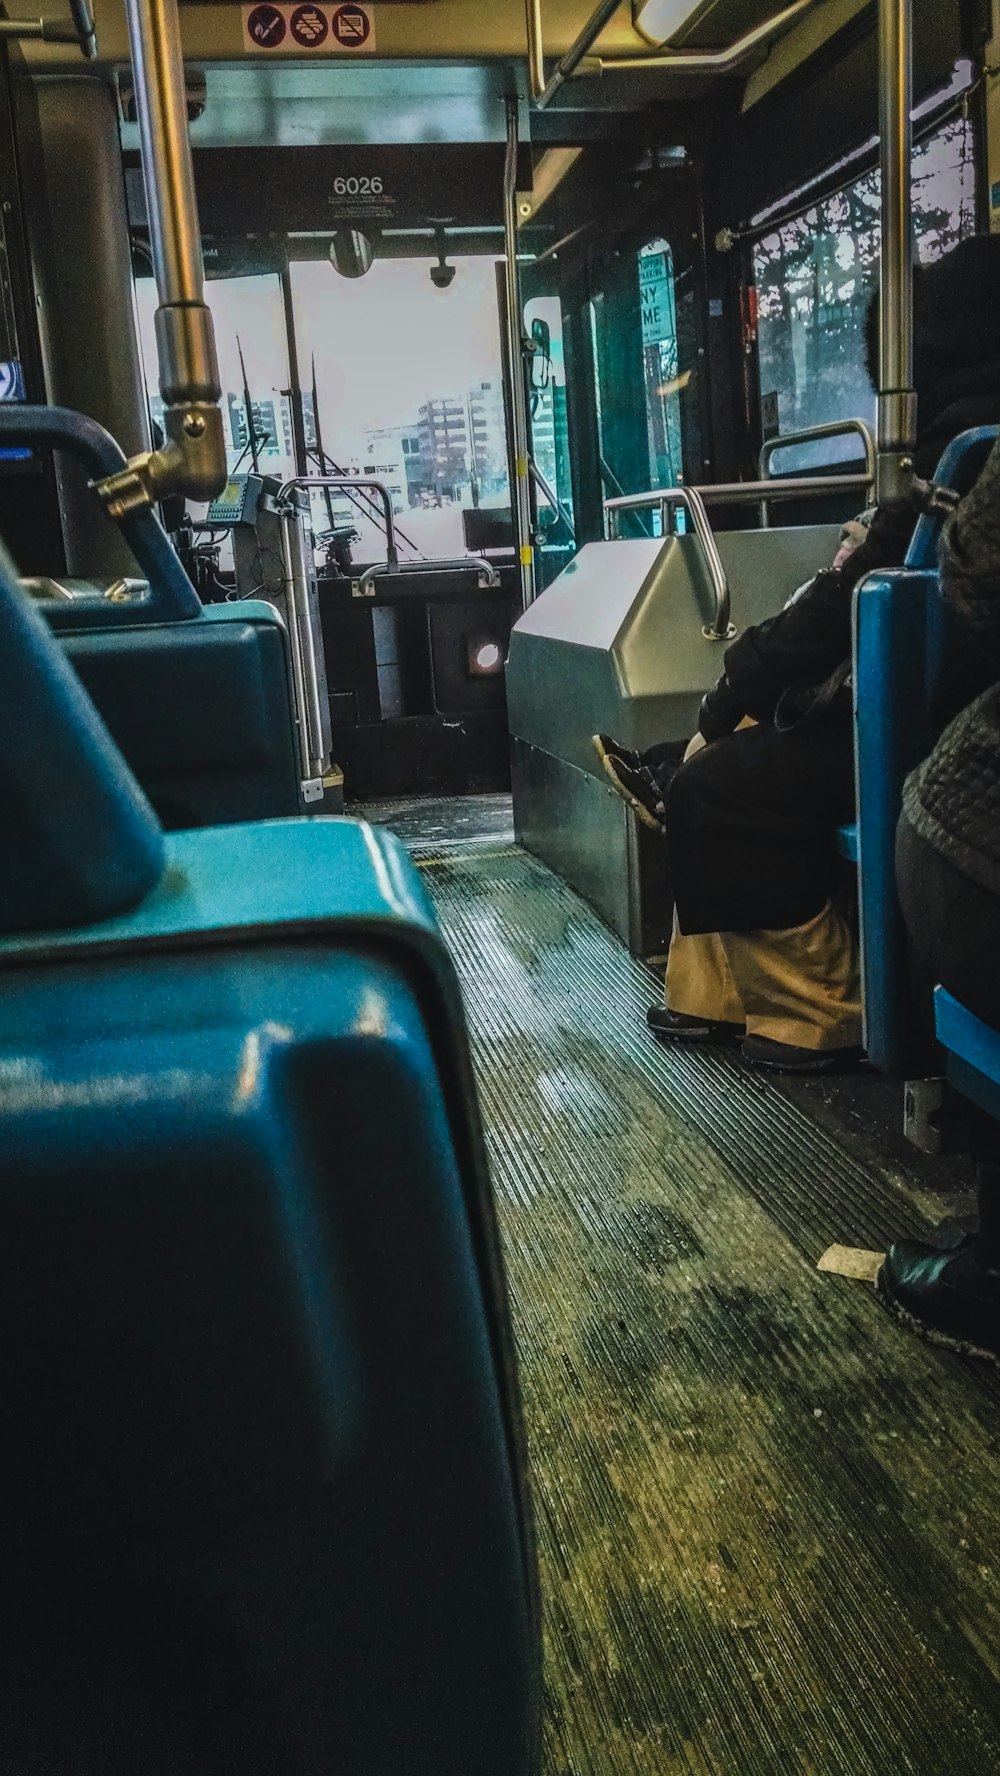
(171, 595)
(691, 499)
(722, 629)
(350, 482)
(834, 428)
(489, 578)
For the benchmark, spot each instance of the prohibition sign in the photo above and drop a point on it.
(266, 27)
(351, 26)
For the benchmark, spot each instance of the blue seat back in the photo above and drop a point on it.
(201, 710)
(973, 1051)
(901, 661)
(78, 839)
(199, 701)
(264, 1504)
(898, 660)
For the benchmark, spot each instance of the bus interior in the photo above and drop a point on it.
(414, 1367)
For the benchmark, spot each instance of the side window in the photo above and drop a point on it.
(815, 277)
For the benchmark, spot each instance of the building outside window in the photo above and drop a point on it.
(816, 275)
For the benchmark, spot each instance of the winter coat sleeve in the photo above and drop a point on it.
(970, 562)
(804, 644)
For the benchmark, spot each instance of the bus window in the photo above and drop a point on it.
(815, 276)
(408, 380)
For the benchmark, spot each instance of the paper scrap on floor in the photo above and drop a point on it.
(851, 1261)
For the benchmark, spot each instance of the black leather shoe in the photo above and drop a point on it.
(635, 784)
(946, 1297)
(677, 1026)
(783, 1057)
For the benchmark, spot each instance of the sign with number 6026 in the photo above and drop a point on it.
(358, 187)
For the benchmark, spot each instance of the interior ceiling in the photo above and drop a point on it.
(398, 101)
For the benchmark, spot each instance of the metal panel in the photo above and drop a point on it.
(615, 644)
(584, 832)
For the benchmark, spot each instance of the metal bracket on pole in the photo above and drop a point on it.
(193, 460)
(897, 401)
(521, 492)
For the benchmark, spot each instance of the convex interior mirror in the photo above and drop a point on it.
(351, 252)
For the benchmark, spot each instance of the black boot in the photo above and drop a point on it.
(678, 1026)
(783, 1057)
(950, 1298)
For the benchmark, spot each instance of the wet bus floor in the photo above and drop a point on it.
(768, 1518)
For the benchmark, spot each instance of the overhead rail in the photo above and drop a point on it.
(78, 28)
(897, 400)
(578, 62)
(193, 459)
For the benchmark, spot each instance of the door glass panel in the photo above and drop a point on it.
(549, 425)
(644, 330)
(248, 313)
(408, 379)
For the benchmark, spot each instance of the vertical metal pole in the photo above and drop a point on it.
(295, 386)
(536, 53)
(521, 491)
(897, 401)
(185, 338)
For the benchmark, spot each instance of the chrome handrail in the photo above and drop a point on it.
(550, 495)
(695, 500)
(513, 317)
(743, 493)
(489, 578)
(691, 499)
(835, 428)
(541, 92)
(346, 483)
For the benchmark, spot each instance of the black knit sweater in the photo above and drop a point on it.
(953, 799)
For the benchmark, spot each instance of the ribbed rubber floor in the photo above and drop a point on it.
(769, 1518)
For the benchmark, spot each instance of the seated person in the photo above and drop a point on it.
(948, 870)
(760, 953)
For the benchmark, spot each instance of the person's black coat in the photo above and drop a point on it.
(957, 375)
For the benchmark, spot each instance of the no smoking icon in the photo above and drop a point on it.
(266, 27)
(351, 26)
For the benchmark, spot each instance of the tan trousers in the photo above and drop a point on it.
(801, 987)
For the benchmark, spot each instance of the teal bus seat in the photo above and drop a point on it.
(846, 842)
(264, 1501)
(264, 1506)
(199, 700)
(202, 711)
(902, 657)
